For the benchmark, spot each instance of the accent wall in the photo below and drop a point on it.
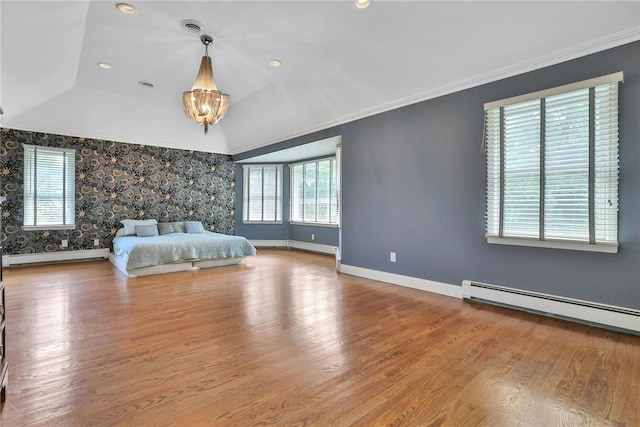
(116, 181)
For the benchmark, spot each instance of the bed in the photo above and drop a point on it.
(144, 247)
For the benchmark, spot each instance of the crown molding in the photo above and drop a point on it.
(103, 136)
(594, 46)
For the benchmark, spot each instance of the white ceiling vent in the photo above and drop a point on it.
(191, 26)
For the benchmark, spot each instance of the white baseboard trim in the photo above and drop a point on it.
(269, 243)
(407, 281)
(313, 247)
(17, 259)
(295, 244)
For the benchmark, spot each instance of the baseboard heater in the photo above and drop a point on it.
(43, 257)
(603, 315)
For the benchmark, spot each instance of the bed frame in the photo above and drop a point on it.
(173, 267)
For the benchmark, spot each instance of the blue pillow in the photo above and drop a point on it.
(171, 227)
(146, 230)
(130, 225)
(193, 227)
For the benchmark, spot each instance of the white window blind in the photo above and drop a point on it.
(315, 192)
(49, 187)
(552, 167)
(262, 193)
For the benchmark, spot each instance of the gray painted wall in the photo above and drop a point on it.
(413, 182)
(323, 235)
(261, 231)
(284, 231)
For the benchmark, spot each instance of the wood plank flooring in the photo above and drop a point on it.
(284, 340)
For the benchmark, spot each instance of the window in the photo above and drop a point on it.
(552, 167)
(49, 187)
(314, 192)
(262, 193)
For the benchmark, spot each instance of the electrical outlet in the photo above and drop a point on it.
(313, 236)
(96, 242)
(64, 243)
(392, 256)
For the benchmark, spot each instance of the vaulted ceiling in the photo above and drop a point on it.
(339, 63)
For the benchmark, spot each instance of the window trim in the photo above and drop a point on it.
(279, 190)
(291, 177)
(554, 244)
(591, 246)
(596, 81)
(47, 227)
(68, 151)
(315, 224)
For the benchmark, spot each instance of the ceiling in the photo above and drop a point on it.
(339, 63)
(312, 150)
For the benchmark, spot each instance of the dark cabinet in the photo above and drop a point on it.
(3, 340)
(4, 377)
(3, 337)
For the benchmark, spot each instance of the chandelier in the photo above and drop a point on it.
(204, 103)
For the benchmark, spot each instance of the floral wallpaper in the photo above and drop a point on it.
(116, 181)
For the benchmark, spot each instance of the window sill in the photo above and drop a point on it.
(47, 227)
(315, 224)
(262, 222)
(554, 244)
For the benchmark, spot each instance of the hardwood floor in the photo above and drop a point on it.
(284, 340)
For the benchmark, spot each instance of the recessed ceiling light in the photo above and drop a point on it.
(275, 63)
(361, 4)
(146, 83)
(126, 9)
(104, 65)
